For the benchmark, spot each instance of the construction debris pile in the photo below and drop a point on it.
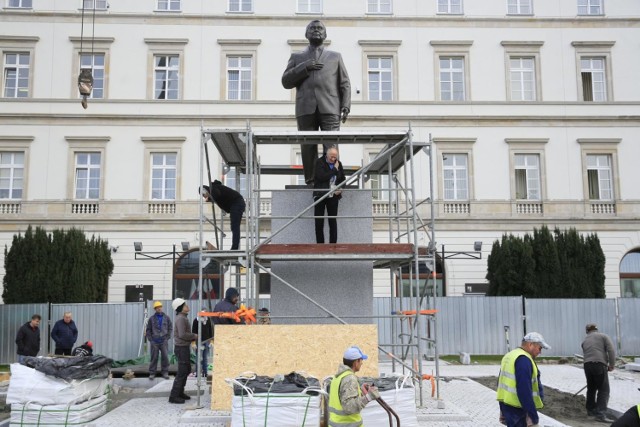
(58, 391)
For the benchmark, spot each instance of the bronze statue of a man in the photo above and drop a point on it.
(323, 91)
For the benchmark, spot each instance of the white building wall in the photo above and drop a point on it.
(129, 116)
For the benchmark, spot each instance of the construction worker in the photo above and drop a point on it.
(520, 391)
(599, 360)
(182, 337)
(230, 201)
(158, 334)
(227, 305)
(346, 398)
(631, 418)
(207, 336)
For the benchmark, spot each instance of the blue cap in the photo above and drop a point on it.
(354, 353)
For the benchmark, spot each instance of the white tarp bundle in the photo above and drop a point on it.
(31, 414)
(402, 400)
(275, 409)
(30, 386)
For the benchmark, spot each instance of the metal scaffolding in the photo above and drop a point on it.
(415, 338)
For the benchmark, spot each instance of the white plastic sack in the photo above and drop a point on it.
(402, 400)
(30, 386)
(31, 414)
(275, 409)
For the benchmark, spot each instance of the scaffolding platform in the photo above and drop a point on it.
(305, 269)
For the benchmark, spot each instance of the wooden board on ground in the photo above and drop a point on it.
(281, 349)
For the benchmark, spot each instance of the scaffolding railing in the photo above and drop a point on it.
(239, 148)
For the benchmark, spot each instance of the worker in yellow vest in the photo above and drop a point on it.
(631, 418)
(346, 397)
(520, 391)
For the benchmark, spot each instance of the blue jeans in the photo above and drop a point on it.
(205, 358)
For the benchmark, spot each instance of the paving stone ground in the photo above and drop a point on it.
(464, 403)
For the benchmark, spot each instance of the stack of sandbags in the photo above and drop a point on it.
(73, 392)
(291, 400)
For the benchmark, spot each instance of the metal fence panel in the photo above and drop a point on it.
(629, 312)
(476, 324)
(562, 322)
(115, 329)
(12, 316)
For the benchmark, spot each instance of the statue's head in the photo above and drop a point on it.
(316, 32)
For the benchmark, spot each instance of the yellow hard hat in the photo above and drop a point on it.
(157, 304)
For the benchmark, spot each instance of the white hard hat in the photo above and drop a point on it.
(177, 303)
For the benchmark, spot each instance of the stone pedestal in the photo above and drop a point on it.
(343, 287)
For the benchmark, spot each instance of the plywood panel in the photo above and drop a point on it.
(280, 349)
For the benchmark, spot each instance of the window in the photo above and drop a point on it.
(95, 62)
(379, 6)
(238, 59)
(379, 183)
(16, 75)
(95, 4)
(452, 7)
(380, 69)
(599, 177)
(22, 4)
(232, 176)
(452, 58)
(239, 78)
(170, 5)
(522, 76)
(309, 6)
(593, 63)
(455, 176)
(590, 7)
(11, 175)
(166, 83)
(87, 177)
(163, 176)
(240, 5)
(527, 176)
(452, 79)
(165, 62)
(519, 7)
(594, 84)
(380, 78)
(522, 62)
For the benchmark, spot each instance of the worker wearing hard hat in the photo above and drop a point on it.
(158, 334)
(182, 337)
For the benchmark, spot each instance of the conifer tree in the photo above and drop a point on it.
(61, 267)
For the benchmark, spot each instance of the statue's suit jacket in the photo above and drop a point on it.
(327, 89)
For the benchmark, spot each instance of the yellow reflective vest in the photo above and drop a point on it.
(337, 416)
(507, 392)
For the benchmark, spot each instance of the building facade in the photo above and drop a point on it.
(532, 107)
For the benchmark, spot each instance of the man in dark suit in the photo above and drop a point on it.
(323, 91)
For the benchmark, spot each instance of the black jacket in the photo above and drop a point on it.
(323, 177)
(207, 328)
(28, 340)
(224, 196)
